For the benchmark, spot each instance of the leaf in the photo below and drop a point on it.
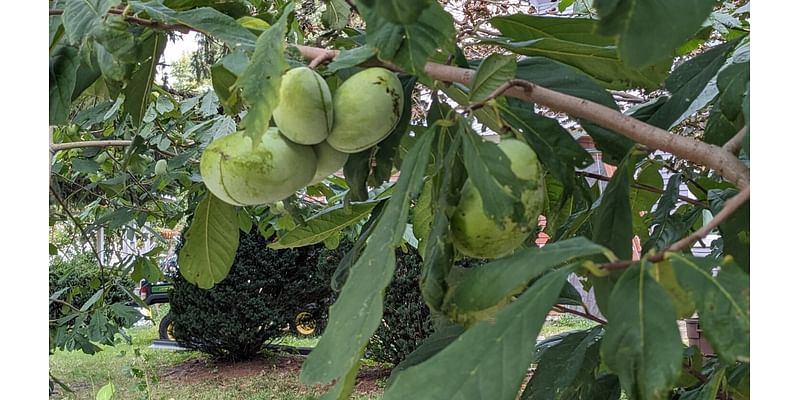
(488, 361)
(82, 17)
(569, 80)
(357, 311)
(336, 14)
(438, 254)
(321, 226)
(261, 80)
(708, 391)
(137, 91)
(63, 65)
(483, 290)
(106, 392)
(211, 243)
(726, 117)
(95, 297)
(723, 302)
(422, 215)
(687, 82)
(650, 31)
(403, 12)
(205, 20)
(490, 171)
(410, 46)
(746, 113)
(612, 222)
(666, 204)
(492, 73)
(664, 273)
(565, 370)
(144, 268)
(557, 150)
(642, 344)
(356, 171)
(642, 201)
(433, 344)
(351, 57)
(573, 41)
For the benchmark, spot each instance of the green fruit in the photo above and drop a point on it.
(72, 129)
(161, 167)
(241, 172)
(367, 108)
(475, 234)
(329, 160)
(305, 112)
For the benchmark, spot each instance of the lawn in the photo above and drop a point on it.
(139, 372)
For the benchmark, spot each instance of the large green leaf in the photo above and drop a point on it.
(659, 218)
(490, 171)
(82, 17)
(261, 80)
(211, 243)
(319, 227)
(488, 361)
(565, 369)
(569, 80)
(433, 344)
(336, 14)
(206, 20)
(746, 113)
(642, 344)
(438, 254)
(723, 302)
(356, 171)
(137, 91)
(642, 201)
(709, 389)
(357, 311)
(492, 73)
(726, 117)
(612, 222)
(557, 150)
(650, 31)
(573, 41)
(687, 82)
(351, 57)
(404, 12)
(387, 148)
(410, 46)
(481, 291)
(63, 65)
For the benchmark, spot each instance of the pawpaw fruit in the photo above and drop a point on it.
(240, 171)
(161, 167)
(329, 160)
(305, 113)
(367, 107)
(477, 235)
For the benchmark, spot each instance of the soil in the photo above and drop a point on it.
(370, 379)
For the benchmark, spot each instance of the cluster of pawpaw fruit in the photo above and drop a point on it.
(477, 235)
(315, 131)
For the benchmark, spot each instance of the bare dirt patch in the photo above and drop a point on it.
(271, 366)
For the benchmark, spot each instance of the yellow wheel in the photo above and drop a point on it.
(305, 324)
(166, 327)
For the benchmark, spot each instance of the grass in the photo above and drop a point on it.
(139, 372)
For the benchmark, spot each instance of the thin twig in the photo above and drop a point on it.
(66, 304)
(91, 143)
(644, 187)
(580, 314)
(734, 145)
(728, 209)
(324, 57)
(139, 21)
(527, 86)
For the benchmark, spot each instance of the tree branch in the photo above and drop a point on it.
(580, 314)
(139, 21)
(527, 86)
(714, 157)
(735, 144)
(92, 143)
(725, 163)
(728, 209)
